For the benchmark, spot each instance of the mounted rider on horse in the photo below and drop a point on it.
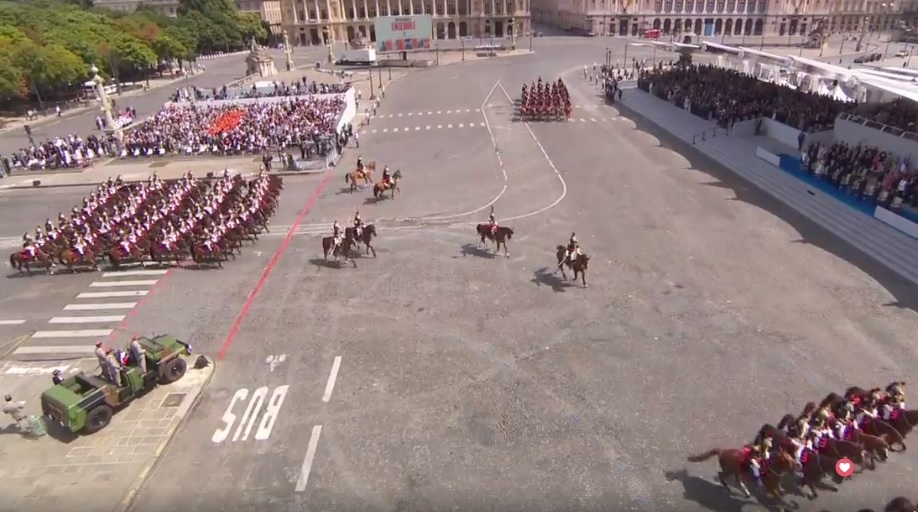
(572, 251)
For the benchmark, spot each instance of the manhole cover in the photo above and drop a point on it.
(173, 400)
(155, 165)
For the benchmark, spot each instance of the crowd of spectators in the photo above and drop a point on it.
(729, 96)
(901, 114)
(60, 153)
(273, 89)
(865, 171)
(235, 129)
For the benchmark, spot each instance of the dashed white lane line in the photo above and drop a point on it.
(310, 456)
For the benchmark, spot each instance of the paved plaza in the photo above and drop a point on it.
(440, 376)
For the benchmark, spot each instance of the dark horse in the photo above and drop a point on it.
(734, 464)
(380, 188)
(578, 265)
(365, 238)
(499, 238)
(71, 258)
(347, 245)
(877, 427)
(18, 260)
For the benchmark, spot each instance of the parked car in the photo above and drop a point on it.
(902, 53)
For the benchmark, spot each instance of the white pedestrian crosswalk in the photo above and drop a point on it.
(427, 127)
(93, 316)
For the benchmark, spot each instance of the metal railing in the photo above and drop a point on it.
(892, 130)
(709, 131)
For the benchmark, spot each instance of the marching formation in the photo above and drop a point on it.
(862, 427)
(156, 220)
(545, 102)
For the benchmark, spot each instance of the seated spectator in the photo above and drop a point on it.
(865, 171)
(729, 96)
(235, 129)
(62, 153)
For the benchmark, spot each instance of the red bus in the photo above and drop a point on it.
(652, 34)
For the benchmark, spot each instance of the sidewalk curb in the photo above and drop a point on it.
(128, 501)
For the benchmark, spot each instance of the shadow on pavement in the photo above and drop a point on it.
(905, 293)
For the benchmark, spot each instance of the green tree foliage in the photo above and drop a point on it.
(48, 46)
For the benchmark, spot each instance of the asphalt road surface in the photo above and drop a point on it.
(439, 377)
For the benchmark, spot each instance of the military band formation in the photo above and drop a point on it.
(861, 426)
(545, 102)
(154, 221)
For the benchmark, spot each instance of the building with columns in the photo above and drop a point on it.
(304, 20)
(716, 17)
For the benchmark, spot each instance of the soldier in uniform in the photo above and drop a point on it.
(894, 399)
(16, 411)
(358, 224)
(386, 177)
(138, 354)
(336, 236)
(573, 248)
(758, 454)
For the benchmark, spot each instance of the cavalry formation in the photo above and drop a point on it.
(545, 102)
(861, 426)
(364, 173)
(155, 221)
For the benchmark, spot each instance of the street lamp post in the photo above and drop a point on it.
(462, 46)
(372, 90)
(326, 34)
(288, 51)
(512, 34)
(106, 105)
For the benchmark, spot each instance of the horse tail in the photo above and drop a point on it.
(704, 456)
(13, 260)
(347, 178)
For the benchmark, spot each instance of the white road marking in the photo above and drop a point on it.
(112, 295)
(106, 284)
(85, 333)
(85, 319)
(399, 115)
(83, 350)
(449, 111)
(430, 113)
(332, 377)
(374, 131)
(385, 130)
(395, 129)
(591, 119)
(460, 125)
(449, 126)
(483, 125)
(417, 128)
(467, 111)
(427, 127)
(439, 126)
(127, 273)
(104, 305)
(307, 461)
(410, 114)
(439, 111)
(12, 322)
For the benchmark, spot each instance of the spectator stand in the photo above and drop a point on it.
(860, 166)
(262, 123)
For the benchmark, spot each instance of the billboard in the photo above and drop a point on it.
(397, 33)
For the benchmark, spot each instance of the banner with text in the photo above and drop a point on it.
(398, 33)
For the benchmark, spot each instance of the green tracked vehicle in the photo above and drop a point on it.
(86, 403)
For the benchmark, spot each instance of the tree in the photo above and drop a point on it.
(251, 27)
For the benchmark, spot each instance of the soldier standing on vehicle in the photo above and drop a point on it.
(15, 410)
(138, 354)
(112, 367)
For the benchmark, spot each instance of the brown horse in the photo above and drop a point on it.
(70, 258)
(380, 188)
(733, 464)
(202, 255)
(904, 421)
(816, 466)
(176, 254)
(365, 238)
(19, 260)
(347, 245)
(901, 504)
(499, 237)
(354, 177)
(877, 449)
(117, 257)
(579, 264)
